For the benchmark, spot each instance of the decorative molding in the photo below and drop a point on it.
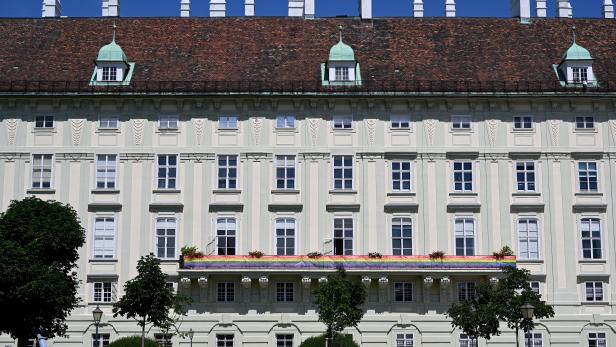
(445, 282)
(306, 282)
(371, 130)
(554, 130)
(383, 282)
(314, 155)
(263, 282)
(197, 157)
(11, 130)
(199, 124)
(557, 156)
(322, 280)
(75, 156)
(136, 157)
(11, 157)
(427, 282)
(431, 157)
(185, 282)
(313, 128)
(138, 125)
(203, 282)
(246, 282)
(366, 281)
(429, 128)
(492, 129)
(256, 156)
(257, 127)
(613, 127)
(495, 157)
(76, 128)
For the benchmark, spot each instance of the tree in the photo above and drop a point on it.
(339, 300)
(502, 302)
(38, 254)
(148, 299)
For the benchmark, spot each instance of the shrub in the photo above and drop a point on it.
(133, 341)
(313, 255)
(339, 341)
(191, 252)
(437, 255)
(375, 255)
(504, 252)
(256, 254)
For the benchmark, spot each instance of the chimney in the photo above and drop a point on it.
(564, 9)
(450, 8)
(51, 8)
(296, 8)
(249, 8)
(184, 8)
(520, 8)
(218, 8)
(365, 9)
(111, 8)
(418, 8)
(608, 9)
(541, 9)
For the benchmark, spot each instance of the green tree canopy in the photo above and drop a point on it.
(498, 303)
(339, 302)
(38, 254)
(148, 299)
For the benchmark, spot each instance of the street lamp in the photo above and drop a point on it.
(191, 334)
(528, 312)
(97, 314)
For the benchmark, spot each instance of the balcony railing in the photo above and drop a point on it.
(368, 87)
(356, 262)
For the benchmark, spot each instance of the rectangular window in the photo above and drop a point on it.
(466, 291)
(102, 340)
(533, 340)
(342, 73)
(224, 340)
(400, 122)
(525, 176)
(102, 291)
(343, 236)
(580, 74)
(225, 292)
(464, 230)
(227, 172)
(402, 236)
(110, 74)
(594, 291)
(597, 339)
(104, 237)
(401, 176)
(522, 122)
(404, 340)
(343, 122)
(108, 122)
(284, 340)
(461, 122)
(167, 171)
(227, 122)
(168, 122)
(343, 172)
(43, 122)
(528, 239)
(535, 287)
(163, 340)
(284, 292)
(587, 174)
(41, 171)
(226, 231)
(285, 236)
(585, 122)
(403, 291)
(285, 122)
(463, 176)
(106, 168)
(165, 237)
(590, 229)
(468, 341)
(285, 172)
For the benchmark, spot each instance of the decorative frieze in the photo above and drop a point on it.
(11, 130)
(429, 129)
(76, 130)
(203, 282)
(185, 282)
(199, 124)
(11, 157)
(137, 157)
(313, 129)
(246, 282)
(257, 127)
(138, 126)
(427, 282)
(75, 156)
(492, 125)
(263, 282)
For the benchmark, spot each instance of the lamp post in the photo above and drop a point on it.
(97, 314)
(191, 334)
(528, 311)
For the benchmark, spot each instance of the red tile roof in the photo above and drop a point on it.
(291, 49)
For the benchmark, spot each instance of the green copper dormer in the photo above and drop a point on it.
(575, 67)
(112, 66)
(341, 68)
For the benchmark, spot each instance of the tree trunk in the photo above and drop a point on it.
(22, 341)
(143, 334)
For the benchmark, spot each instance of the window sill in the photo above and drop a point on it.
(452, 130)
(99, 261)
(285, 191)
(592, 261)
(226, 191)
(401, 194)
(166, 191)
(41, 191)
(463, 194)
(105, 191)
(529, 261)
(585, 131)
(588, 194)
(595, 303)
(400, 130)
(44, 130)
(227, 130)
(526, 194)
(168, 260)
(108, 131)
(286, 130)
(98, 303)
(527, 131)
(168, 131)
(343, 191)
(343, 130)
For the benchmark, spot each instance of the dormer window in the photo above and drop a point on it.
(110, 74)
(341, 69)
(342, 73)
(575, 68)
(580, 74)
(112, 66)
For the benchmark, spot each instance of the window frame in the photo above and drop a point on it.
(525, 172)
(404, 288)
(101, 340)
(402, 339)
(343, 179)
(401, 171)
(226, 236)
(285, 292)
(46, 119)
(108, 119)
(344, 237)
(465, 340)
(579, 74)
(167, 179)
(458, 123)
(590, 219)
(41, 171)
(229, 122)
(396, 122)
(227, 179)
(288, 122)
(285, 237)
(163, 340)
(342, 122)
(113, 238)
(588, 178)
(342, 71)
(284, 339)
(463, 171)
(585, 121)
(228, 292)
(465, 237)
(538, 285)
(523, 120)
(528, 238)
(106, 292)
(176, 235)
(106, 179)
(285, 167)
(597, 291)
(166, 121)
(109, 74)
(470, 291)
(402, 249)
(596, 338)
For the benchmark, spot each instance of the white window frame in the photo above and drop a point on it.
(103, 172)
(599, 338)
(106, 122)
(528, 239)
(283, 289)
(168, 122)
(463, 171)
(109, 74)
(226, 234)
(342, 74)
(579, 74)
(163, 340)
(590, 220)
(464, 235)
(404, 339)
(284, 340)
(594, 291)
(285, 122)
(227, 179)
(469, 288)
(528, 185)
(102, 340)
(285, 237)
(39, 170)
(465, 340)
(405, 287)
(523, 120)
(342, 122)
(286, 163)
(535, 286)
(44, 120)
(344, 169)
(344, 236)
(102, 292)
(533, 339)
(400, 172)
(169, 182)
(461, 123)
(106, 236)
(397, 122)
(588, 176)
(167, 223)
(226, 287)
(403, 251)
(586, 122)
(230, 122)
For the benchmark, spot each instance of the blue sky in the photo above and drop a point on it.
(324, 8)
